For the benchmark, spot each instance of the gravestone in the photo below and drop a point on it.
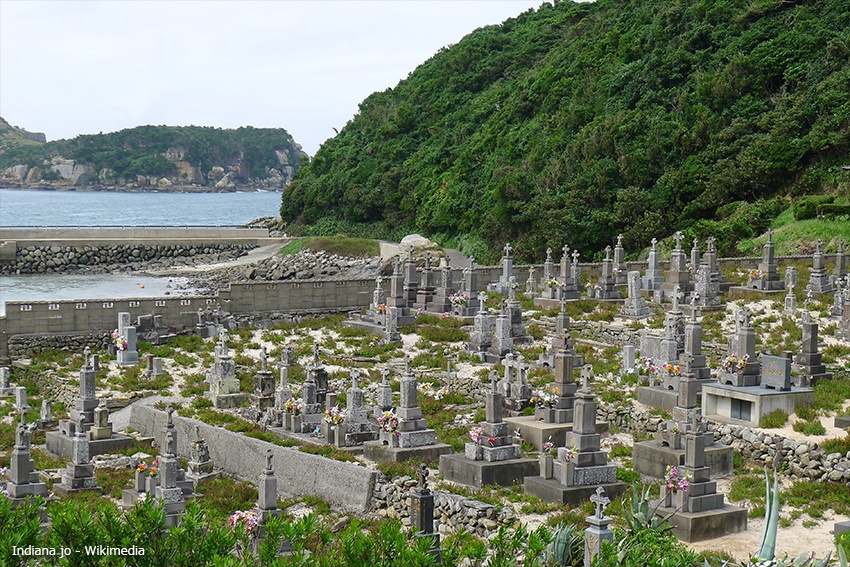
(563, 389)
(470, 291)
(200, 466)
(422, 512)
(319, 374)
(481, 337)
(426, 289)
(21, 406)
(840, 261)
(606, 288)
(678, 275)
(695, 260)
(581, 465)
(776, 372)
(385, 394)
(710, 259)
(283, 392)
(561, 340)
(502, 343)
(503, 286)
(167, 492)
(410, 286)
(549, 286)
(79, 473)
(517, 388)
(598, 530)
(690, 499)
(494, 458)
(22, 479)
(312, 414)
(767, 277)
(396, 297)
(706, 288)
(412, 439)
(819, 281)
(635, 306)
(628, 359)
(264, 385)
(653, 278)
(742, 367)
(224, 389)
(45, 419)
(840, 297)
(790, 307)
(809, 363)
(392, 334)
(6, 389)
(355, 429)
(620, 267)
(530, 284)
(442, 300)
(267, 496)
(125, 341)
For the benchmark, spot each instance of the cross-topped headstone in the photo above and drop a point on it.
(608, 252)
(678, 237)
(508, 249)
(407, 363)
(620, 239)
(601, 501)
(677, 295)
(86, 355)
(565, 249)
(422, 476)
(549, 254)
(586, 377)
(269, 462)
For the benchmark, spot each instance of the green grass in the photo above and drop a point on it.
(798, 237)
(292, 247)
(836, 445)
(222, 497)
(773, 420)
(810, 428)
(112, 481)
(831, 394)
(329, 452)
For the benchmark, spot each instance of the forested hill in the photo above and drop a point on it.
(574, 122)
(158, 157)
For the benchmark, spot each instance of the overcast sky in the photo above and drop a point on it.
(70, 67)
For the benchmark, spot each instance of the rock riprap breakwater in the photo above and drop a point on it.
(308, 265)
(45, 259)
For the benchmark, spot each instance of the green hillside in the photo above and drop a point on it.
(155, 151)
(575, 122)
(13, 137)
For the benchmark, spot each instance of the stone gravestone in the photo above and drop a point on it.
(678, 275)
(653, 278)
(313, 414)
(742, 368)
(493, 458)
(425, 292)
(284, 391)
(200, 465)
(355, 430)
(126, 350)
(635, 306)
(22, 480)
(840, 261)
(79, 473)
(385, 394)
(809, 363)
(267, 495)
(481, 337)
(45, 419)
(422, 512)
(580, 465)
(706, 288)
(517, 388)
(507, 271)
(264, 386)
(819, 281)
(768, 276)
(470, 291)
(776, 372)
(790, 298)
(502, 343)
(695, 263)
(442, 300)
(563, 389)
(224, 389)
(628, 358)
(607, 286)
(6, 389)
(598, 530)
(620, 267)
(413, 430)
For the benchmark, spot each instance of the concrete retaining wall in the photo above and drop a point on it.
(346, 486)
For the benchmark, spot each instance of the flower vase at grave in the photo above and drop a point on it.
(547, 465)
(330, 434)
(287, 421)
(296, 423)
(140, 480)
(680, 500)
(474, 451)
(151, 483)
(568, 470)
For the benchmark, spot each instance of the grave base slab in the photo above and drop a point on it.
(457, 468)
(538, 432)
(655, 397)
(380, 453)
(651, 458)
(842, 422)
(700, 526)
(550, 490)
(63, 446)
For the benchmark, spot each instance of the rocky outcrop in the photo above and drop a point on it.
(307, 265)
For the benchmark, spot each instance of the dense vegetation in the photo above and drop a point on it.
(141, 150)
(575, 122)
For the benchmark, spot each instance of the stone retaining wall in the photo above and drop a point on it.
(22, 346)
(452, 512)
(45, 258)
(346, 486)
(805, 460)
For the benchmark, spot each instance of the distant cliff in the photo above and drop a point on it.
(12, 136)
(189, 158)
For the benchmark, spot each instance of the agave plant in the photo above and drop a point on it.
(637, 515)
(565, 549)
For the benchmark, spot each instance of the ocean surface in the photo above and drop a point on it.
(22, 208)
(112, 208)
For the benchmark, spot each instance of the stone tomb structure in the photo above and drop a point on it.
(267, 496)
(412, 440)
(125, 341)
(6, 389)
(481, 337)
(88, 416)
(200, 469)
(515, 387)
(809, 364)
(651, 458)
(747, 389)
(23, 480)
(224, 389)
(653, 278)
(700, 512)
(606, 288)
(820, 283)
(581, 466)
(678, 277)
(79, 473)
(767, 276)
(635, 306)
(355, 429)
(262, 397)
(494, 459)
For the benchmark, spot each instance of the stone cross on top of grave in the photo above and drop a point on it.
(677, 295)
(385, 375)
(742, 319)
(678, 237)
(608, 252)
(482, 297)
(494, 380)
(407, 363)
(654, 241)
(696, 425)
(601, 502)
(620, 239)
(422, 476)
(575, 256)
(355, 376)
(471, 263)
(508, 249)
(169, 444)
(770, 235)
(409, 249)
(87, 357)
(168, 419)
(268, 462)
(512, 285)
(549, 254)
(264, 359)
(818, 244)
(710, 242)
(565, 249)
(586, 377)
(427, 260)
(316, 361)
